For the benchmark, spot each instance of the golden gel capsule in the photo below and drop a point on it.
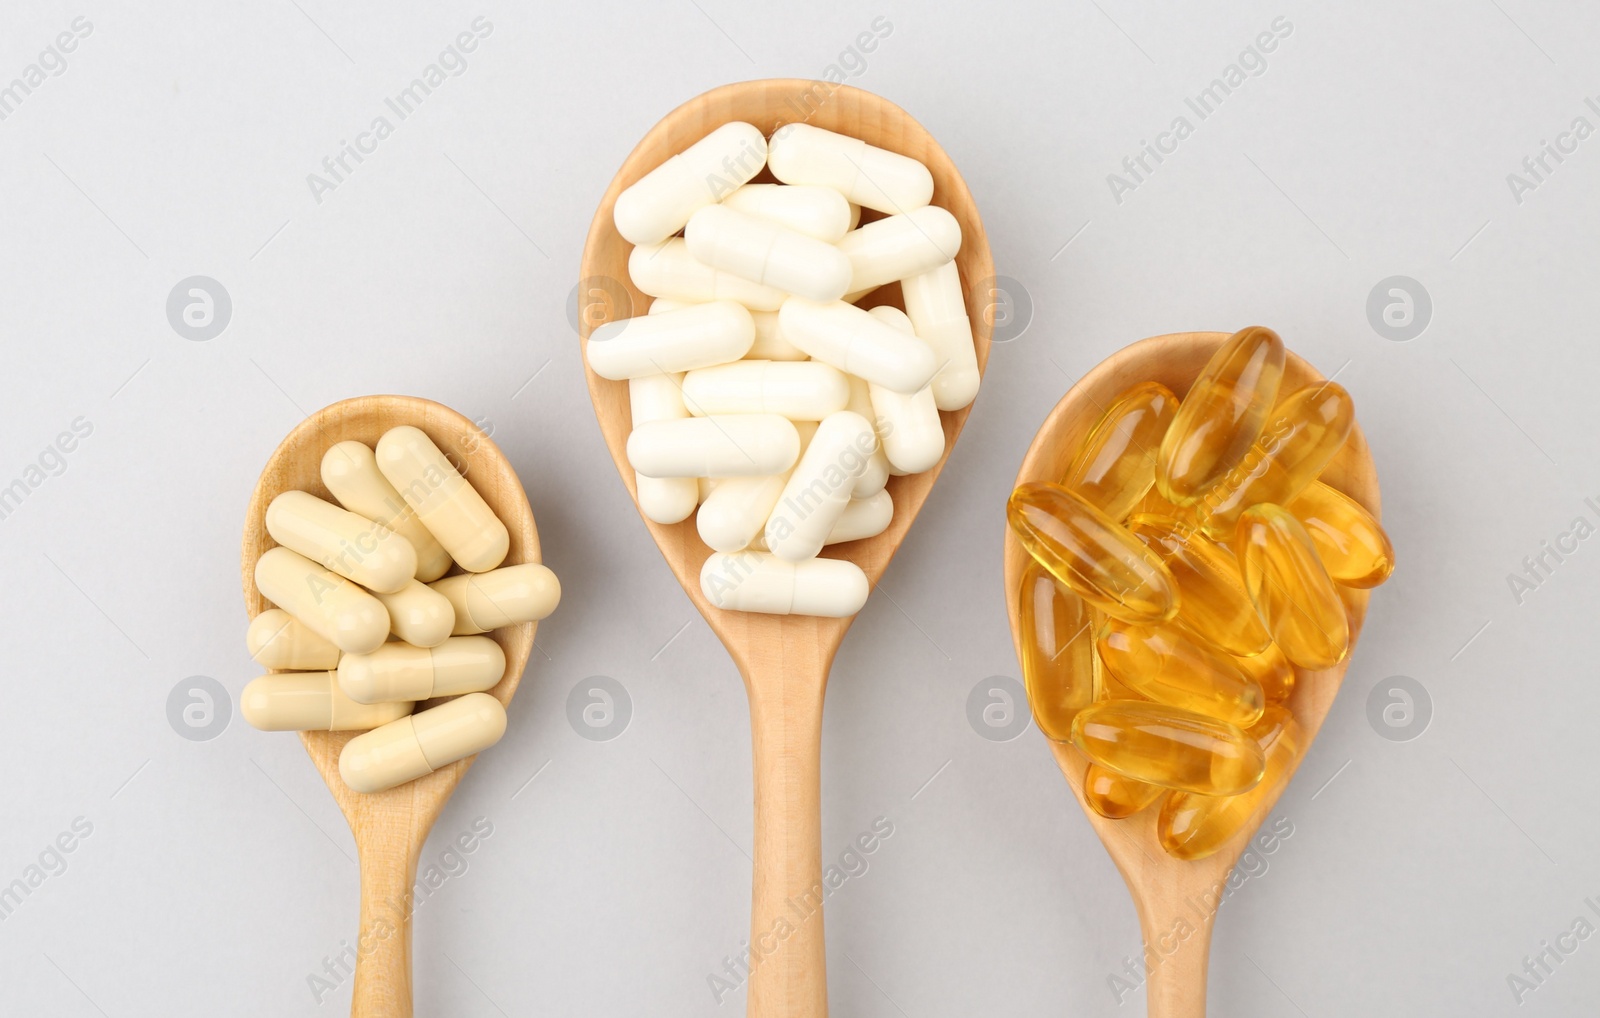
(399, 671)
(310, 702)
(1304, 433)
(1117, 464)
(1115, 797)
(276, 640)
(419, 615)
(1353, 547)
(1169, 746)
(500, 597)
(1195, 826)
(448, 506)
(1271, 671)
(1291, 590)
(420, 744)
(1170, 665)
(1222, 415)
(1211, 599)
(351, 474)
(1089, 553)
(325, 602)
(337, 539)
(1057, 652)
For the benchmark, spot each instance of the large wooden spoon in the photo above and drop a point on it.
(1172, 895)
(390, 827)
(784, 659)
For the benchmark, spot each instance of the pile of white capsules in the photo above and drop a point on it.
(345, 580)
(760, 392)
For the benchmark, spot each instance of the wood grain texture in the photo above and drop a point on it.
(1168, 891)
(784, 659)
(390, 827)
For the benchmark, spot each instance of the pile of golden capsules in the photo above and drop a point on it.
(1186, 568)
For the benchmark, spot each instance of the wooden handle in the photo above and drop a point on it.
(1178, 948)
(383, 944)
(788, 962)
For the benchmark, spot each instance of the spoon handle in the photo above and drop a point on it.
(1178, 950)
(383, 943)
(788, 962)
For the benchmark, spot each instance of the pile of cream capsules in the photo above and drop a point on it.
(1162, 629)
(760, 392)
(367, 622)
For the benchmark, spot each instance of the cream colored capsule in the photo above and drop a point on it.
(896, 247)
(276, 640)
(818, 490)
(419, 615)
(420, 744)
(910, 428)
(819, 212)
(798, 390)
(669, 270)
(325, 602)
(755, 581)
(876, 475)
(657, 205)
(350, 470)
(769, 345)
(660, 398)
(937, 307)
(768, 253)
(401, 672)
(858, 344)
(310, 702)
(500, 597)
(723, 445)
(447, 504)
(865, 174)
(696, 336)
(734, 513)
(863, 518)
(352, 546)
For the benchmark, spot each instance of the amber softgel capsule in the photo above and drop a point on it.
(1222, 415)
(1292, 591)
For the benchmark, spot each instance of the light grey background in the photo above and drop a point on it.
(219, 874)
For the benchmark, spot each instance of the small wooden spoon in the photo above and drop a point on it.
(1168, 892)
(784, 659)
(390, 827)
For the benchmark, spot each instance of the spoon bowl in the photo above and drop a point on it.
(391, 826)
(784, 659)
(1165, 890)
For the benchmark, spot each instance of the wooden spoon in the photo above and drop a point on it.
(784, 659)
(390, 827)
(1168, 892)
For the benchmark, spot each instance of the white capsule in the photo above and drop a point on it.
(508, 596)
(819, 488)
(400, 672)
(724, 445)
(863, 518)
(938, 310)
(857, 343)
(310, 702)
(657, 205)
(447, 504)
(705, 486)
(419, 615)
(277, 640)
(669, 270)
(864, 174)
(660, 398)
(819, 212)
(350, 470)
(693, 337)
(899, 246)
(769, 345)
(353, 546)
(798, 390)
(325, 602)
(420, 744)
(912, 433)
(876, 475)
(758, 582)
(765, 252)
(735, 511)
